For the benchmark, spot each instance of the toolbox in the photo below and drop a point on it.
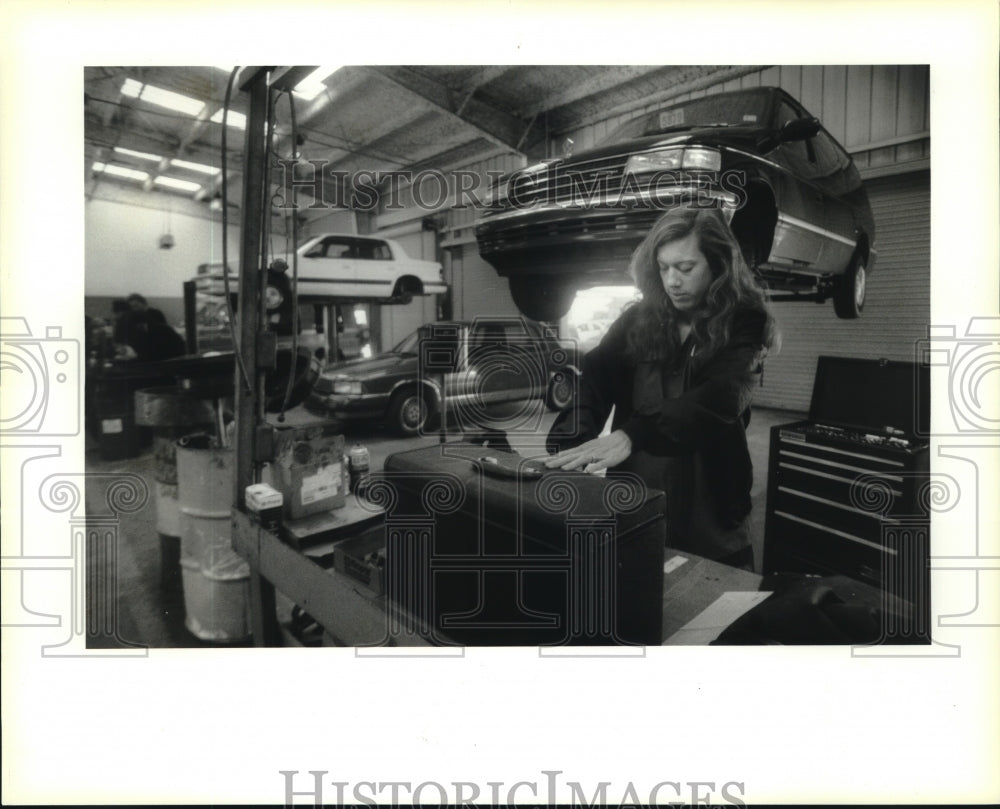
(489, 548)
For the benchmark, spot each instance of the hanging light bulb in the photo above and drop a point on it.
(304, 170)
(167, 239)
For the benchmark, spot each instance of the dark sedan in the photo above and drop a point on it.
(492, 361)
(798, 206)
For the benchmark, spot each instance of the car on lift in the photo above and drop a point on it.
(794, 197)
(493, 360)
(350, 267)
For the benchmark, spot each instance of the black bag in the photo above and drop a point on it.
(505, 552)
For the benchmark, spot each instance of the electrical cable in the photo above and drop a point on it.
(225, 238)
(264, 214)
(295, 274)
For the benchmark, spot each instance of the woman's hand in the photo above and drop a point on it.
(596, 455)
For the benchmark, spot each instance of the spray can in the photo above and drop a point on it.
(360, 463)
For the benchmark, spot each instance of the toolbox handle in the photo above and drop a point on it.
(510, 469)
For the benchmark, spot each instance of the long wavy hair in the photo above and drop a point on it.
(653, 334)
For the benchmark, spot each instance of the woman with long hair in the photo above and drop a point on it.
(679, 368)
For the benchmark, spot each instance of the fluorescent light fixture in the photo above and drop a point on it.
(312, 85)
(121, 171)
(200, 167)
(171, 100)
(155, 158)
(131, 88)
(161, 97)
(98, 166)
(237, 119)
(180, 185)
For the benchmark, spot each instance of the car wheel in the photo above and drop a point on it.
(559, 395)
(850, 289)
(408, 412)
(541, 297)
(404, 289)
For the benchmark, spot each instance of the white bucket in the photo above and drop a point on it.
(215, 609)
(216, 579)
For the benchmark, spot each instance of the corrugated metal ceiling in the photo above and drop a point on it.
(380, 117)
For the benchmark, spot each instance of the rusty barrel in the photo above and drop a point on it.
(216, 579)
(172, 414)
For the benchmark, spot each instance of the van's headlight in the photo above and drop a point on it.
(349, 387)
(702, 158)
(671, 159)
(654, 161)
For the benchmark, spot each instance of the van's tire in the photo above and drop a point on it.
(850, 289)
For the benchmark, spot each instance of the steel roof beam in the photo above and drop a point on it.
(497, 126)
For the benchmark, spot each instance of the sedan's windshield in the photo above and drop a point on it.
(725, 109)
(408, 345)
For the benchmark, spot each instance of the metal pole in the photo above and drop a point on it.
(248, 401)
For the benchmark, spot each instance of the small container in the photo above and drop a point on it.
(360, 464)
(345, 466)
(265, 504)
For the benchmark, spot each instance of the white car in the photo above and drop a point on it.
(341, 265)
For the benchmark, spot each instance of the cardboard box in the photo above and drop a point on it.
(265, 504)
(309, 470)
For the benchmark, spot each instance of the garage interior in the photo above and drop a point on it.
(154, 215)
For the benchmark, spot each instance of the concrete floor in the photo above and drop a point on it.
(150, 610)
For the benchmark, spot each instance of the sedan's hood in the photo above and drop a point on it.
(367, 368)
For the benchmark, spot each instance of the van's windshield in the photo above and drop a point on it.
(747, 108)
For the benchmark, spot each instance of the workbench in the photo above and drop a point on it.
(346, 609)
(355, 616)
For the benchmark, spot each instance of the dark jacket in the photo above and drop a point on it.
(710, 415)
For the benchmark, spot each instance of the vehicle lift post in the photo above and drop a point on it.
(258, 83)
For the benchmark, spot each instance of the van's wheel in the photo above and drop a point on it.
(408, 412)
(850, 289)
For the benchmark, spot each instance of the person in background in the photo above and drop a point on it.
(138, 304)
(143, 333)
(679, 368)
(121, 318)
